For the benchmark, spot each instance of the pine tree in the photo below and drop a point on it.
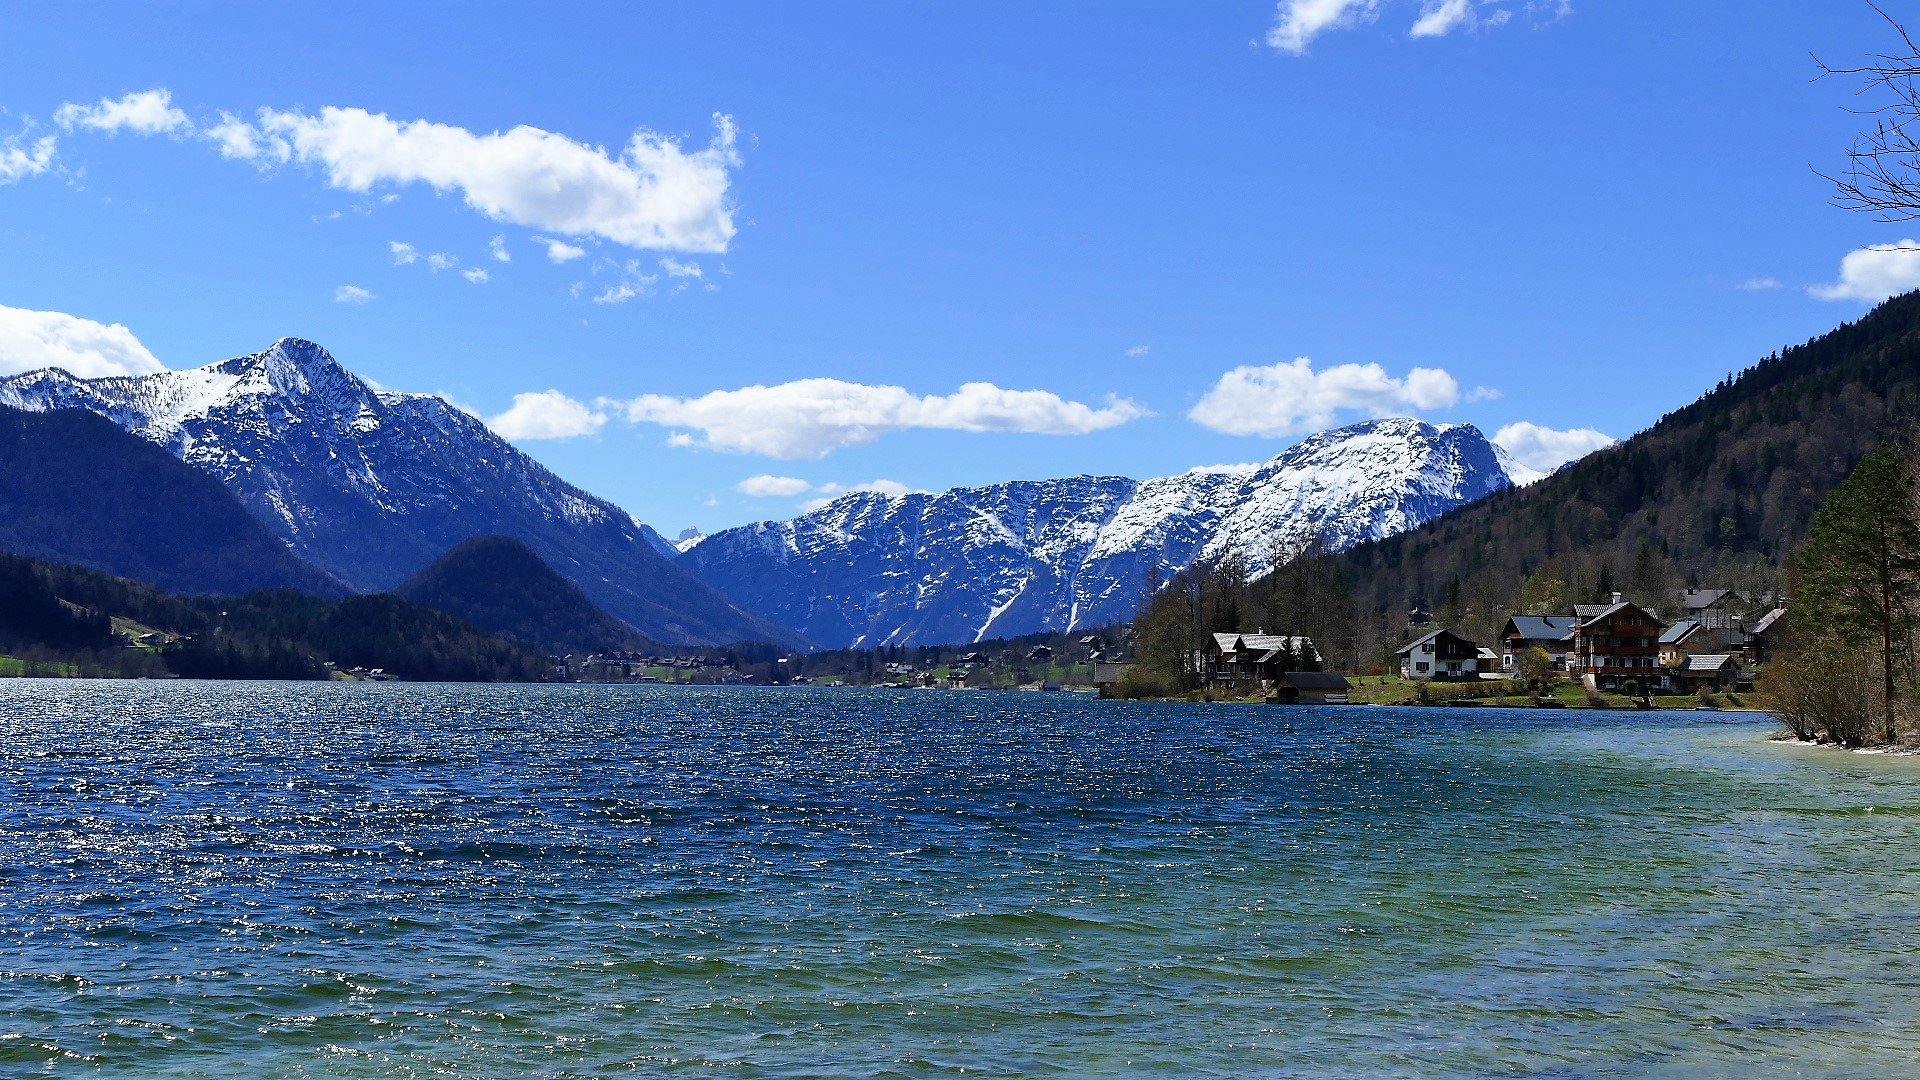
(1860, 569)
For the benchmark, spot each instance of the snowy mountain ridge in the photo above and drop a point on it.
(372, 485)
(1027, 556)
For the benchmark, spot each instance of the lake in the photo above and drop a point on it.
(211, 879)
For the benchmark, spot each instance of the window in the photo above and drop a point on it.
(1421, 666)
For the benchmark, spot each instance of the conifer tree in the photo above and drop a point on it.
(1860, 568)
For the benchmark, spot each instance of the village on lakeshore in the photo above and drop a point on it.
(1707, 648)
(1716, 642)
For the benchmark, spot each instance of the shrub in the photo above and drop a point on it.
(1829, 694)
(1137, 682)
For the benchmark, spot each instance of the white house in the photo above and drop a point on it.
(1442, 654)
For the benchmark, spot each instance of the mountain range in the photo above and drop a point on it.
(370, 485)
(1029, 556)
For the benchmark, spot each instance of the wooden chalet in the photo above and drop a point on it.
(1255, 661)
(1616, 646)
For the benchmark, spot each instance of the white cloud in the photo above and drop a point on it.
(498, 246)
(439, 261)
(17, 163)
(811, 418)
(1875, 273)
(1760, 284)
(351, 294)
(239, 141)
(890, 488)
(1139, 351)
(1544, 449)
(1298, 22)
(654, 195)
(633, 282)
(676, 268)
(148, 112)
(477, 275)
(1281, 399)
(1483, 393)
(559, 250)
(548, 414)
(403, 254)
(1438, 18)
(30, 340)
(764, 486)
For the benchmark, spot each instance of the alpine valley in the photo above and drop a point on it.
(1049, 555)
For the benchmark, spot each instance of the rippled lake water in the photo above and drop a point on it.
(202, 879)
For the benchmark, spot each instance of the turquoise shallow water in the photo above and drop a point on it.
(394, 880)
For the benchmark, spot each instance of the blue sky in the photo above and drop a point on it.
(955, 243)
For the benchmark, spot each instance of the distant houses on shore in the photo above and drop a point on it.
(1618, 645)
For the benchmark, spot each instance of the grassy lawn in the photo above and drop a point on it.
(1394, 690)
(14, 667)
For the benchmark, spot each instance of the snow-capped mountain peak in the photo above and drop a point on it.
(373, 485)
(1062, 554)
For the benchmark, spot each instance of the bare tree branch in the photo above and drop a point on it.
(1882, 176)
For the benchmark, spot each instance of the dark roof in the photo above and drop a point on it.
(1424, 638)
(1542, 627)
(1601, 611)
(1318, 680)
(1696, 599)
(1678, 632)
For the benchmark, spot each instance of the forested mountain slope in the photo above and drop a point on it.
(500, 585)
(68, 620)
(1719, 491)
(74, 488)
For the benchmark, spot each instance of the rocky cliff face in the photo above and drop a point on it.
(1028, 556)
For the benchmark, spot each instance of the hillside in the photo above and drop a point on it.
(502, 586)
(1718, 492)
(77, 489)
(68, 620)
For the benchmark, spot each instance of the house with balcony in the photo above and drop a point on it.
(1616, 646)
